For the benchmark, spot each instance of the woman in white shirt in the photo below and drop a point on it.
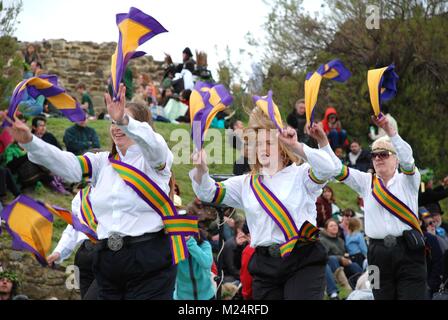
(277, 273)
(133, 259)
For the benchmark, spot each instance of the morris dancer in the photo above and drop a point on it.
(279, 199)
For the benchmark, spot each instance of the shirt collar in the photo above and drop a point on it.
(131, 152)
(283, 171)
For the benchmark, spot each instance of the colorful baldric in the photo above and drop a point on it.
(281, 216)
(175, 225)
(394, 205)
(87, 214)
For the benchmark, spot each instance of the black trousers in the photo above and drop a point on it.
(7, 183)
(84, 261)
(139, 271)
(402, 272)
(300, 276)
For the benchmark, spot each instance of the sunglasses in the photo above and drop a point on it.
(381, 155)
(430, 223)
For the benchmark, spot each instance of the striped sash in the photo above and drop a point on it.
(176, 226)
(394, 205)
(281, 216)
(87, 215)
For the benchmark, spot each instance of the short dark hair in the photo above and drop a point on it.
(81, 86)
(354, 140)
(37, 119)
(188, 52)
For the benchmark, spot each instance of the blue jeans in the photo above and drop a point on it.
(353, 268)
(337, 138)
(331, 283)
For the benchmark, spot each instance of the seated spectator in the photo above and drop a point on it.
(9, 283)
(358, 158)
(338, 259)
(324, 206)
(80, 138)
(193, 280)
(5, 139)
(433, 253)
(39, 129)
(243, 254)
(185, 99)
(36, 68)
(340, 153)
(355, 244)
(7, 183)
(30, 106)
(86, 100)
(431, 227)
(429, 196)
(297, 120)
(332, 126)
(346, 214)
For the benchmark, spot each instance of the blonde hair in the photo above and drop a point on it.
(258, 120)
(354, 225)
(384, 144)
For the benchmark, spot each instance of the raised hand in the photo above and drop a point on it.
(200, 161)
(289, 137)
(19, 130)
(382, 122)
(116, 108)
(317, 132)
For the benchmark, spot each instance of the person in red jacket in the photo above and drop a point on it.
(323, 206)
(243, 254)
(333, 128)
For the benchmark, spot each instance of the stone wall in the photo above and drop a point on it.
(37, 282)
(89, 63)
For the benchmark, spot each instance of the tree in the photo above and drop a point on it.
(11, 64)
(412, 35)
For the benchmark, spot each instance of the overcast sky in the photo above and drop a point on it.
(208, 25)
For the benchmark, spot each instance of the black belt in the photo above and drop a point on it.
(116, 242)
(274, 249)
(389, 241)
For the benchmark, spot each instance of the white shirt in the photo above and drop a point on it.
(291, 185)
(378, 221)
(188, 78)
(70, 238)
(117, 206)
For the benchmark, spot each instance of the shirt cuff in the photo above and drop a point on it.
(32, 145)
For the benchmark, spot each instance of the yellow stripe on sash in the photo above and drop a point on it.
(393, 205)
(274, 208)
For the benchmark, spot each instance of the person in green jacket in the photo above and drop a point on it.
(194, 281)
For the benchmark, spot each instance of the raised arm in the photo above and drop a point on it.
(62, 163)
(404, 151)
(206, 189)
(154, 148)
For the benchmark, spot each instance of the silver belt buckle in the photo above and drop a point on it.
(390, 241)
(274, 251)
(115, 241)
